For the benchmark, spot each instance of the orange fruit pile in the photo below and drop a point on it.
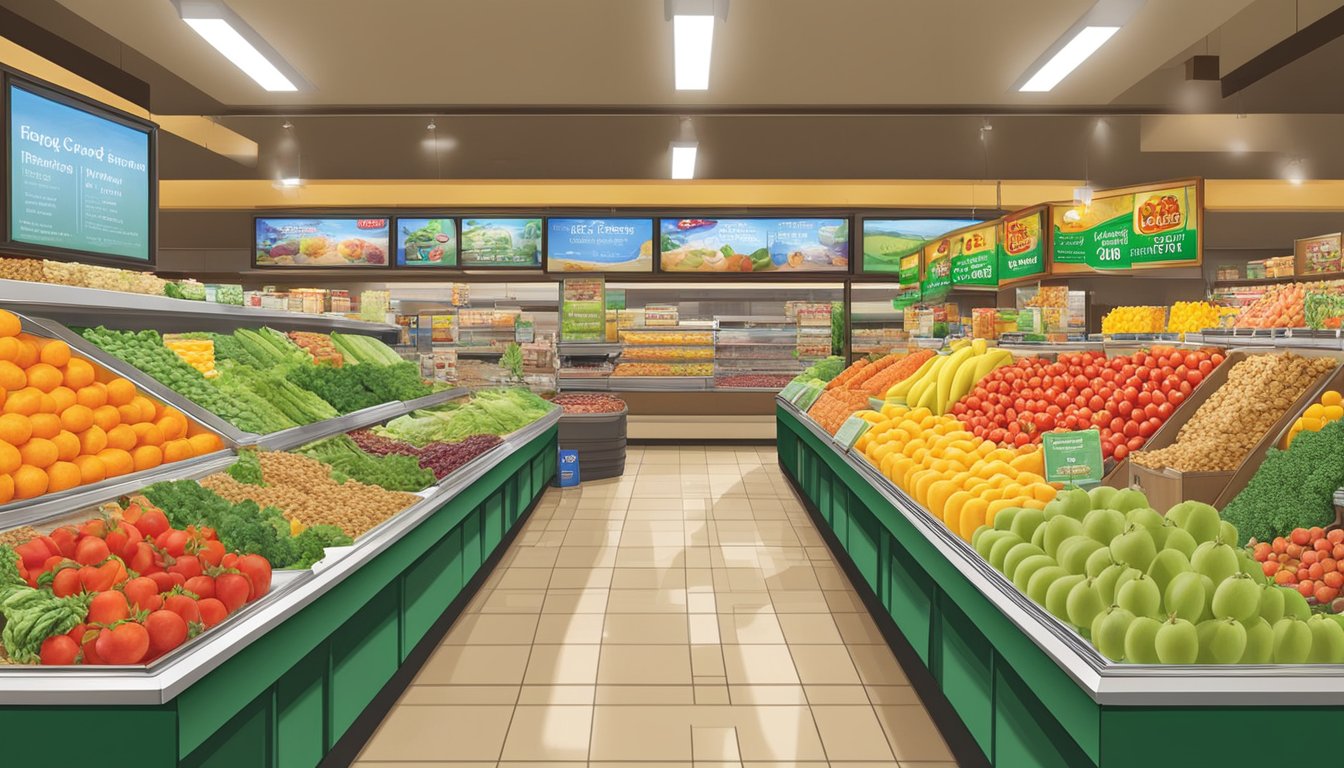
(60, 426)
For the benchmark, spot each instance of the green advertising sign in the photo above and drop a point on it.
(909, 271)
(1158, 226)
(974, 256)
(937, 280)
(791, 390)
(1021, 249)
(1073, 457)
(850, 432)
(807, 396)
(583, 315)
(906, 297)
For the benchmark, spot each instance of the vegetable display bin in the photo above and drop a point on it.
(600, 440)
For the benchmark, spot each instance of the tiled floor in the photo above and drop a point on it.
(685, 615)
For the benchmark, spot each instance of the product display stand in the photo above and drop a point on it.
(600, 440)
(1030, 691)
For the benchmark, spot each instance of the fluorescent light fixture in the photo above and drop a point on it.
(693, 44)
(1082, 196)
(1074, 52)
(683, 159)
(292, 181)
(240, 44)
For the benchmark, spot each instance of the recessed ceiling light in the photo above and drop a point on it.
(240, 44)
(1075, 52)
(291, 181)
(683, 159)
(693, 39)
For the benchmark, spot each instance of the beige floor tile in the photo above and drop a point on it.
(876, 665)
(645, 665)
(912, 735)
(792, 577)
(740, 556)
(514, 601)
(458, 733)
(790, 764)
(651, 557)
(421, 695)
(675, 538)
(777, 733)
(768, 695)
(648, 578)
(429, 764)
(647, 601)
(706, 695)
(824, 665)
(592, 538)
(645, 629)
(707, 661)
(556, 694)
(714, 744)
(744, 602)
(701, 602)
(759, 665)
(739, 580)
(524, 578)
(571, 601)
(750, 629)
(699, 579)
(532, 557)
(586, 557)
(549, 733)
(581, 578)
(830, 577)
(704, 628)
(645, 695)
(809, 628)
(492, 629)
(636, 734)
(857, 629)
(824, 695)
(562, 665)
(851, 733)
(895, 695)
(539, 764)
(844, 601)
(800, 601)
(559, 628)
(475, 665)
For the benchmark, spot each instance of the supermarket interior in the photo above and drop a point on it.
(609, 389)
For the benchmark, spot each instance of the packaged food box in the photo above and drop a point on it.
(984, 323)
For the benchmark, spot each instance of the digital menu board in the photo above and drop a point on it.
(501, 242)
(426, 242)
(1151, 225)
(778, 246)
(887, 241)
(305, 242)
(599, 245)
(80, 179)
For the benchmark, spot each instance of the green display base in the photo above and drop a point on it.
(291, 696)
(1018, 705)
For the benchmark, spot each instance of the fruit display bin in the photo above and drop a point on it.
(306, 676)
(1012, 685)
(600, 439)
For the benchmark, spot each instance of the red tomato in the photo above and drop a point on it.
(1175, 397)
(1120, 453)
(1134, 443)
(163, 580)
(1194, 377)
(142, 561)
(152, 522)
(108, 608)
(232, 589)
(166, 630)
(1205, 367)
(201, 586)
(1107, 448)
(183, 606)
(126, 644)
(65, 541)
(212, 611)
(1165, 410)
(143, 593)
(91, 550)
(187, 565)
(66, 582)
(1144, 399)
(1021, 439)
(59, 650)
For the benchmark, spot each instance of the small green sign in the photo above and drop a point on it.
(905, 297)
(791, 390)
(1073, 457)
(937, 280)
(909, 268)
(849, 433)
(976, 269)
(807, 396)
(1021, 248)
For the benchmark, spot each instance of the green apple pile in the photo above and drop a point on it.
(1148, 588)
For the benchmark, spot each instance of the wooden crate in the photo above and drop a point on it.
(1209, 487)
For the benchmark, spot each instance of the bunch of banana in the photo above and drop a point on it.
(945, 379)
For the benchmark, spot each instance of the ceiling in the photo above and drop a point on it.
(538, 89)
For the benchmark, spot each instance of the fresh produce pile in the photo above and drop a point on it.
(961, 479)
(364, 349)
(897, 371)
(1135, 320)
(440, 458)
(1292, 488)
(297, 404)
(199, 353)
(61, 428)
(667, 354)
(1324, 307)
(753, 381)
(1151, 589)
(1125, 397)
(319, 346)
(835, 405)
(1310, 560)
(1330, 408)
(664, 369)
(1193, 316)
(822, 371)
(304, 490)
(125, 588)
(1281, 306)
(487, 412)
(81, 275)
(391, 472)
(244, 526)
(588, 402)
(944, 380)
(1258, 391)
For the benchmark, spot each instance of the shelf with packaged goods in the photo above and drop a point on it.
(339, 631)
(134, 311)
(1005, 662)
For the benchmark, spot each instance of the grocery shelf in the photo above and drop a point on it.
(587, 349)
(135, 311)
(167, 679)
(294, 437)
(661, 383)
(1104, 682)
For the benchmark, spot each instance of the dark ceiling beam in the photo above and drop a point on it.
(55, 48)
(1302, 42)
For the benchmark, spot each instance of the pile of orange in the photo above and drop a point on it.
(960, 478)
(62, 424)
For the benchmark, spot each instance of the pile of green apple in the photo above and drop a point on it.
(1148, 588)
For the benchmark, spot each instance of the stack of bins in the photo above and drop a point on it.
(600, 440)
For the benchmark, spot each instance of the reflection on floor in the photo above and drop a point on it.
(686, 614)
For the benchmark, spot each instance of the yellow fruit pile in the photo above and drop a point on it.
(944, 379)
(65, 423)
(1135, 320)
(1331, 408)
(1192, 316)
(198, 353)
(960, 478)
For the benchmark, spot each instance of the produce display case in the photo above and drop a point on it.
(1028, 689)
(666, 358)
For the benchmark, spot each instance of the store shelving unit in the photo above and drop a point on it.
(586, 366)
(688, 343)
(756, 345)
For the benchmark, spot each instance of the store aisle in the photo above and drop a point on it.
(686, 614)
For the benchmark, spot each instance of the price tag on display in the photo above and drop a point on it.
(1073, 457)
(807, 397)
(791, 390)
(850, 432)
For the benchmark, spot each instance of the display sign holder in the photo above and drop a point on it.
(1022, 259)
(850, 431)
(807, 396)
(1073, 457)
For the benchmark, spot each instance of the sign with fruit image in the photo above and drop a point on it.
(1021, 249)
(937, 272)
(754, 245)
(426, 243)
(975, 256)
(321, 242)
(1128, 228)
